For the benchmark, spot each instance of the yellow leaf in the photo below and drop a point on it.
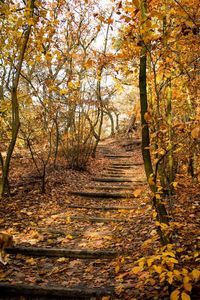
(158, 269)
(106, 298)
(155, 214)
(136, 3)
(150, 261)
(68, 219)
(151, 180)
(177, 273)
(62, 259)
(31, 261)
(173, 260)
(117, 268)
(186, 279)
(63, 92)
(147, 117)
(187, 287)
(195, 133)
(170, 277)
(185, 296)
(158, 196)
(137, 193)
(70, 85)
(175, 295)
(136, 270)
(168, 253)
(196, 274)
(69, 236)
(89, 63)
(141, 264)
(174, 184)
(184, 271)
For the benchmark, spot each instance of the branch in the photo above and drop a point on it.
(181, 6)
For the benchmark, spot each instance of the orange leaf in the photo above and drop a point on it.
(185, 296)
(175, 295)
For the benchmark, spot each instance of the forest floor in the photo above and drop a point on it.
(124, 226)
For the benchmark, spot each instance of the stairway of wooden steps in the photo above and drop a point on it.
(107, 203)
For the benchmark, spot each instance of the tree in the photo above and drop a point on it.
(13, 76)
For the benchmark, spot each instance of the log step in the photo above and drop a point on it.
(117, 175)
(103, 208)
(118, 156)
(99, 219)
(113, 168)
(112, 179)
(127, 164)
(116, 188)
(101, 194)
(61, 252)
(53, 292)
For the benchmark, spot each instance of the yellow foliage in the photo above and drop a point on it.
(187, 286)
(195, 274)
(195, 133)
(185, 296)
(69, 236)
(175, 295)
(136, 270)
(137, 193)
(117, 268)
(158, 269)
(151, 180)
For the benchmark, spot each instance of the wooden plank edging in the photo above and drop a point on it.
(56, 291)
(61, 252)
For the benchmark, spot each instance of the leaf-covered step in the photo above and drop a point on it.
(100, 219)
(57, 292)
(117, 175)
(127, 164)
(103, 208)
(119, 167)
(61, 252)
(112, 179)
(117, 187)
(118, 156)
(101, 194)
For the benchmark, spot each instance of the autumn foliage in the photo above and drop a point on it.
(65, 65)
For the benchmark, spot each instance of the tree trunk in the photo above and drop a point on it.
(15, 108)
(162, 216)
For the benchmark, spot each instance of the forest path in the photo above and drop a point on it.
(94, 229)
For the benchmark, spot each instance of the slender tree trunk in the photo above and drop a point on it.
(15, 108)
(159, 206)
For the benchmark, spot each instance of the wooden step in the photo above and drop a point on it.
(127, 164)
(61, 252)
(101, 194)
(99, 219)
(103, 208)
(54, 292)
(122, 168)
(124, 175)
(112, 179)
(118, 187)
(118, 156)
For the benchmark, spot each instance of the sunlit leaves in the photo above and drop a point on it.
(195, 274)
(175, 295)
(185, 296)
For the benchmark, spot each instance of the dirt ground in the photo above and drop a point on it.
(47, 220)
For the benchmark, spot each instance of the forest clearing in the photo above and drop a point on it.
(99, 149)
